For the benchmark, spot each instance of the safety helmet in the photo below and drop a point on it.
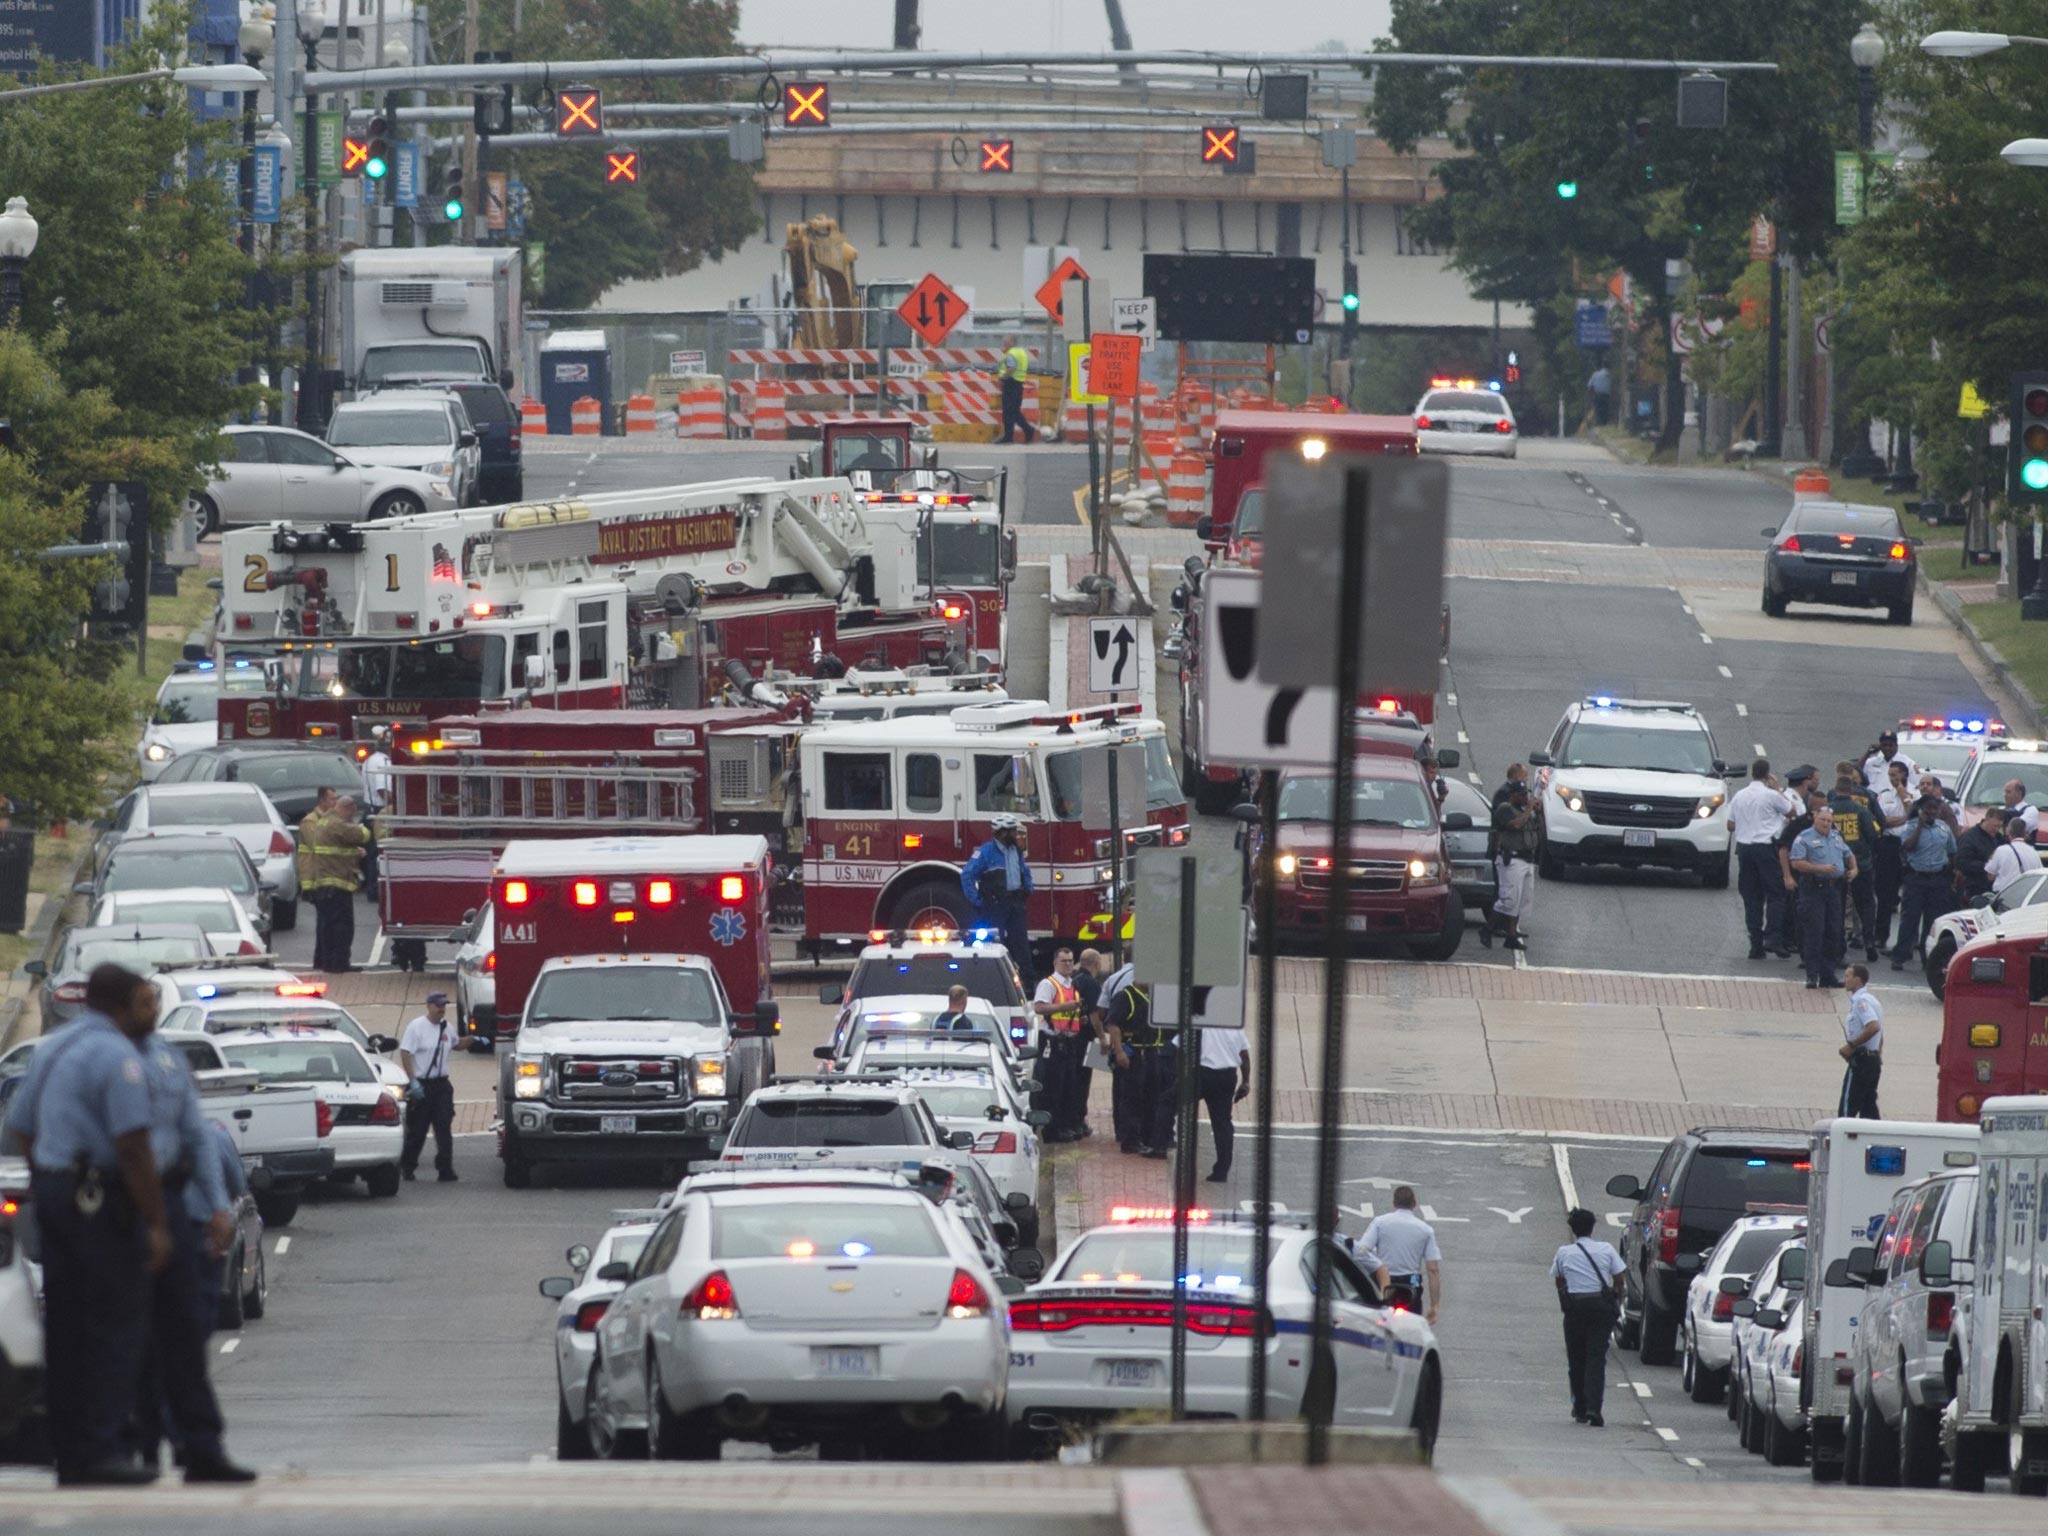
(1003, 821)
(381, 734)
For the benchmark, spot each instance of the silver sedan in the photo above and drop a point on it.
(268, 474)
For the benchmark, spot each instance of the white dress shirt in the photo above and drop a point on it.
(1757, 813)
(1587, 1266)
(1223, 1048)
(1891, 810)
(1864, 1010)
(1877, 770)
(2030, 814)
(2014, 857)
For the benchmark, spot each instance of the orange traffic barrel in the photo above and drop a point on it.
(639, 413)
(586, 418)
(533, 418)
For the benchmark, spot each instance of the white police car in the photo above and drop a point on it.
(359, 1116)
(1998, 764)
(1706, 1330)
(1987, 914)
(1633, 782)
(600, 1274)
(982, 1101)
(810, 1122)
(930, 962)
(1946, 744)
(1094, 1338)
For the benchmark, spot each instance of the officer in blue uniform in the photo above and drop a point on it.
(997, 881)
(176, 1401)
(82, 1116)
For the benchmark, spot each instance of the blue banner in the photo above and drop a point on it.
(1592, 328)
(269, 193)
(405, 174)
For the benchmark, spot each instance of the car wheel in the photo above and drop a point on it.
(1660, 1332)
(1446, 943)
(2028, 1445)
(1782, 1447)
(382, 1182)
(284, 915)
(673, 1436)
(572, 1441)
(931, 904)
(1919, 1446)
(1429, 1408)
(1968, 1461)
(1852, 1445)
(277, 1209)
(1937, 965)
(1707, 1384)
(1745, 1416)
(1548, 864)
(397, 504)
(1737, 1393)
(608, 1442)
(257, 1298)
(205, 512)
(1688, 1362)
(1901, 613)
(1878, 1461)
(1027, 1227)
(232, 1306)
(1773, 606)
(1714, 874)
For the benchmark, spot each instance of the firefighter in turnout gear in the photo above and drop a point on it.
(331, 844)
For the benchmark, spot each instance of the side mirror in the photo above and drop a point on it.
(1625, 1186)
(616, 1270)
(1937, 1265)
(1038, 1119)
(1771, 532)
(960, 1141)
(1449, 757)
(1744, 1308)
(1982, 901)
(1177, 599)
(1687, 1263)
(1457, 821)
(468, 439)
(1027, 1264)
(35, 968)
(1720, 767)
(533, 671)
(82, 888)
(767, 1017)
(1017, 1200)
(1861, 1263)
(273, 675)
(1205, 527)
(1009, 554)
(1769, 1317)
(579, 1257)
(821, 1053)
(382, 1044)
(1540, 760)
(555, 1287)
(832, 992)
(1734, 1285)
(469, 916)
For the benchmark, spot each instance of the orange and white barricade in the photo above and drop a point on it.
(639, 414)
(700, 408)
(1187, 489)
(533, 418)
(586, 418)
(770, 416)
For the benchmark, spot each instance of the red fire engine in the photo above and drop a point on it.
(671, 596)
(1245, 439)
(1994, 1017)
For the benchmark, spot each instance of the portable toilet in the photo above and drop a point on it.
(574, 364)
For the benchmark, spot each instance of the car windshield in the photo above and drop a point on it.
(829, 1122)
(184, 703)
(1753, 1249)
(1145, 1255)
(1250, 522)
(1947, 758)
(957, 1101)
(1731, 1178)
(1591, 745)
(391, 429)
(824, 1229)
(1484, 401)
(966, 555)
(139, 867)
(216, 914)
(470, 668)
(627, 1246)
(1994, 773)
(1374, 802)
(300, 770)
(228, 806)
(665, 992)
(137, 954)
(382, 363)
(299, 1061)
(935, 975)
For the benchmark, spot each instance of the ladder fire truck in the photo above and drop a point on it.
(675, 596)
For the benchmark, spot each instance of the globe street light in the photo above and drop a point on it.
(18, 232)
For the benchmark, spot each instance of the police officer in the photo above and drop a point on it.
(333, 843)
(1057, 1003)
(424, 1050)
(1407, 1245)
(997, 881)
(82, 1117)
(1586, 1271)
(1153, 1061)
(1802, 796)
(1015, 370)
(1821, 862)
(1859, 830)
(1929, 849)
(1862, 1048)
(176, 1399)
(1111, 1023)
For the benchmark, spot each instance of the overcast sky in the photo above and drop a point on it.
(1273, 26)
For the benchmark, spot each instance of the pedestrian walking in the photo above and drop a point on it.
(1514, 868)
(333, 841)
(1822, 862)
(1862, 1047)
(1600, 394)
(1929, 849)
(1057, 1002)
(82, 1119)
(1407, 1245)
(997, 882)
(1016, 369)
(1877, 761)
(1757, 814)
(174, 1397)
(2015, 795)
(1858, 828)
(1891, 802)
(2014, 857)
(1223, 1078)
(1588, 1273)
(424, 1050)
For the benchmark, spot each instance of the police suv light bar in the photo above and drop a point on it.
(1975, 725)
(1119, 1214)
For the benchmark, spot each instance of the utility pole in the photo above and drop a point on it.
(310, 414)
(472, 185)
(1794, 432)
(1774, 368)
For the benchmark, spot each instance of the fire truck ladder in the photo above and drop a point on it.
(611, 797)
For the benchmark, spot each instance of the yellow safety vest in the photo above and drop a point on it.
(1016, 364)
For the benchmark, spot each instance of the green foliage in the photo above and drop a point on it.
(692, 204)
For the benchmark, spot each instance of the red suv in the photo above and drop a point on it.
(1400, 873)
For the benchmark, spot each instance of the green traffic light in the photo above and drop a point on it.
(452, 210)
(1567, 190)
(376, 167)
(2034, 474)
(1351, 301)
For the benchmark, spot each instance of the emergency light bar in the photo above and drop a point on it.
(1974, 726)
(1607, 701)
(1122, 1213)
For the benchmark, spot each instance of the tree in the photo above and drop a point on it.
(692, 204)
(1647, 192)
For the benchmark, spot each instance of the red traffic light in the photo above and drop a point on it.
(995, 155)
(355, 154)
(807, 104)
(579, 112)
(622, 166)
(1219, 145)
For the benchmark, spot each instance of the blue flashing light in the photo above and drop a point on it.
(903, 970)
(1602, 701)
(1955, 725)
(1758, 1162)
(203, 666)
(854, 1248)
(1494, 385)
(1193, 1282)
(982, 935)
(206, 990)
(1976, 727)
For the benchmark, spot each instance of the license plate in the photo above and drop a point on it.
(845, 1362)
(1843, 578)
(1638, 837)
(1129, 1373)
(616, 1125)
(252, 1159)
(1357, 922)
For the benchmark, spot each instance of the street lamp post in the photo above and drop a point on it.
(255, 39)
(18, 232)
(1866, 52)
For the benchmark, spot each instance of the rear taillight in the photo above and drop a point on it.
(590, 1313)
(712, 1301)
(1667, 1237)
(70, 992)
(1941, 1311)
(1504, 426)
(1724, 1307)
(1422, 423)
(1900, 552)
(996, 1141)
(250, 947)
(1791, 545)
(1205, 1318)
(323, 1117)
(965, 1297)
(280, 841)
(385, 1111)
(491, 961)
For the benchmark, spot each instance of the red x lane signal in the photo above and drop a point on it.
(806, 104)
(355, 154)
(1219, 145)
(995, 155)
(622, 167)
(579, 112)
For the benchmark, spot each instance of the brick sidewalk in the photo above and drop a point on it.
(1541, 984)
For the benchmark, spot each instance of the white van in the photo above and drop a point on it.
(1858, 1166)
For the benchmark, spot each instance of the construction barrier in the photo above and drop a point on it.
(1154, 463)
(768, 419)
(586, 418)
(1809, 482)
(1187, 490)
(639, 414)
(865, 357)
(533, 418)
(700, 408)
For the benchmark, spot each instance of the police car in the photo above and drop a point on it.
(1094, 1338)
(1997, 765)
(930, 962)
(809, 1122)
(982, 1101)
(217, 1015)
(600, 1274)
(1706, 1331)
(1987, 914)
(1946, 744)
(907, 1022)
(1632, 782)
(359, 1116)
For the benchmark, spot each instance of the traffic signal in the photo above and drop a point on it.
(996, 155)
(1220, 144)
(621, 167)
(1350, 299)
(377, 151)
(1567, 190)
(2026, 477)
(451, 198)
(806, 104)
(492, 111)
(355, 154)
(579, 112)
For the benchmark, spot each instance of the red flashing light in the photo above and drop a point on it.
(517, 893)
(1504, 426)
(491, 961)
(661, 893)
(302, 989)
(1900, 551)
(878, 935)
(1667, 1237)
(1123, 1213)
(912, 841)
(584, 893)
(480, 610)
(1389, 706)
(732, 888)
(952, 610)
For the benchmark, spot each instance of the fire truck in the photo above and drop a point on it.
(672, 596)
(1244, 440)
(639, 967)
(1994, 1017)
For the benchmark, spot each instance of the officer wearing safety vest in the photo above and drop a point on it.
(1058, 1003)
(331, 844)
(1016, 368)
(1153, 1068)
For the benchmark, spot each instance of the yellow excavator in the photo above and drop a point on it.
(822, 290)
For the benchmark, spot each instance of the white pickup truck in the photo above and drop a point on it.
(624, 1058)
(281, 1132)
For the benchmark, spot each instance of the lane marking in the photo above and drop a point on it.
(1687, 607)
(1724, 671)
(1515, 1216)
(1666, 1434)
(376, 948)
(1464, 740)
(1451, 698)
(1561, 1159)
(1642, 1388)
(1759, 749)
(1705, 638)
(1694, 1461)
(1742, 710)
(283, 1246)
(1474, 777)
(229, 1346)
